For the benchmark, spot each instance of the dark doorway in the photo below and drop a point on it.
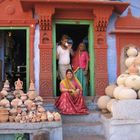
(13, 55)
(76, 33)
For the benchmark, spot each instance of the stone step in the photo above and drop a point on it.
(85, 128)
(92, 137)
(94, 116)
(89, 100)
(50, 107)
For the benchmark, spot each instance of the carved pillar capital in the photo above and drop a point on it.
(45, 23)
(101, 18)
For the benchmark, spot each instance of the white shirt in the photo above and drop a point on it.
(64, 55)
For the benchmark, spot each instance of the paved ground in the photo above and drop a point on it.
(84, 138)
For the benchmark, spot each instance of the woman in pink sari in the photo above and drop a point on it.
(80, 62)
(71, 100)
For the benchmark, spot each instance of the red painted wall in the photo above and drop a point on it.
(20, 13)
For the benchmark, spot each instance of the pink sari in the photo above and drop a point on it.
(69, 103)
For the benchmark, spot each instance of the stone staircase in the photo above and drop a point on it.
(82, 127)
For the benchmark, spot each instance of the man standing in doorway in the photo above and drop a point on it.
(64, 50)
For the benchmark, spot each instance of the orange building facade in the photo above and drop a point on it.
(29, 13)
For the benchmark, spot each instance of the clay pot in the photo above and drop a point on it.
(18, 84)
(4, 111)
(129, 61)
(57, 116)
(28, 102)
(18, 93)
(121, 79)
(127, 93)
(4, 102)
(43, 117)
(16, 102)
(31, 94)
(38, 103)
(50, 116)
(40, 109)
(19, 110)
(132, 51)
(18, 118)
(109, 90)
(117, 90)
(137, 60)
(133, 81)
(23, 107)
(38, 98)
(13, 111)
(12, 118)
(32, 86)
(110, 103)
(4, 92)
(23, 97)
(4, 115)
(133, 69)
(102, 102)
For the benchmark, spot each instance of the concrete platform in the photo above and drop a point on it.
(96, 137)
(52, 129)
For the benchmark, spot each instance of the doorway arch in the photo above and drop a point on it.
(90, 36)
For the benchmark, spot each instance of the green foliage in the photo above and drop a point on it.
(20, 136)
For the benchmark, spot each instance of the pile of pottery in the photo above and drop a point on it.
(127, 85)
(17, 106)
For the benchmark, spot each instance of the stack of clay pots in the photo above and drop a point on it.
(127, 85)
(24, 107)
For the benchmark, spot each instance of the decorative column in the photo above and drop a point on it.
(32, 32)
(46, 46)
(101, 17)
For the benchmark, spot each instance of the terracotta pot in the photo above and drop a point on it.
(4, 111)
(13, 111)
(4, 117)
(12, 118)
(43, 117)
(4, 92)
(32, 94)
(133, 69)
(16, 102)
(4, 102)
(18, 84)
(40, 109)
(23, 97)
